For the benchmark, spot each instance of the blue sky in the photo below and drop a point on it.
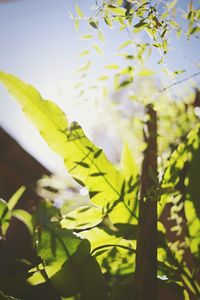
(39, 44)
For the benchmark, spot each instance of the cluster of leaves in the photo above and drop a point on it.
(156, 20)
(8, 210)
(89, 253)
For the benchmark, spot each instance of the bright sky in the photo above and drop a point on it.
(39, 44)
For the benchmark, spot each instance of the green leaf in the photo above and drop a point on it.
(85, 67)
(104, 77)
(140, 24)
(15, 198)
(108, 21)
(70, 142)
(98, 49)
(87, 36)
(101, 36)
(82, 217)
(76, 24)
(146, 72)
(5, 217)
(194, 30)
(125, 44)
(79, 11)
(115, 254)
(165, 14)
(99, 237)
(84, 53)
(177, 72)
(119, 11)
(68, 264)
(128, 163)
(114, 67)
(24, 217)
(93, 23)
(172, 4)
(174, 24)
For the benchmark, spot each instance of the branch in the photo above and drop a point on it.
(176, 83)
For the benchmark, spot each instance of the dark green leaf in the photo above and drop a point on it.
(93, 23)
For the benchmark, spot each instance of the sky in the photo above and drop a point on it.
(39, 44)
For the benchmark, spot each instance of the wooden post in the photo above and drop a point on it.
(146, 252)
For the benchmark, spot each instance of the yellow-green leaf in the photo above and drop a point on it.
(85, 52)
(117, 11)
(112, 67)
(128, 163)
(82, 217)
(125, 44)
(104, 182)
(15, 198)
(76, 24)
(98, 49)
(24, 217)
(79, 11)
(86, 36)
(146, 72)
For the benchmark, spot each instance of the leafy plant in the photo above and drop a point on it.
(118, 245)
(8, 210)
(114, 195)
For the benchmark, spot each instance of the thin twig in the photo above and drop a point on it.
(178, 82)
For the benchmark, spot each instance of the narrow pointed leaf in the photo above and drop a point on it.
(16, 197)
(24, 217)
(79, 11)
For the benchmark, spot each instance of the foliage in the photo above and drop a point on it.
(89, 252)
(114, 238)
(8, 210)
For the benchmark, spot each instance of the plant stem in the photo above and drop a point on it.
(146, 251)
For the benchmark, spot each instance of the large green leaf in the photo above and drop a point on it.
(115, 254)
(65, 258)
(85, 162)
(68, 264)
(128, 163)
